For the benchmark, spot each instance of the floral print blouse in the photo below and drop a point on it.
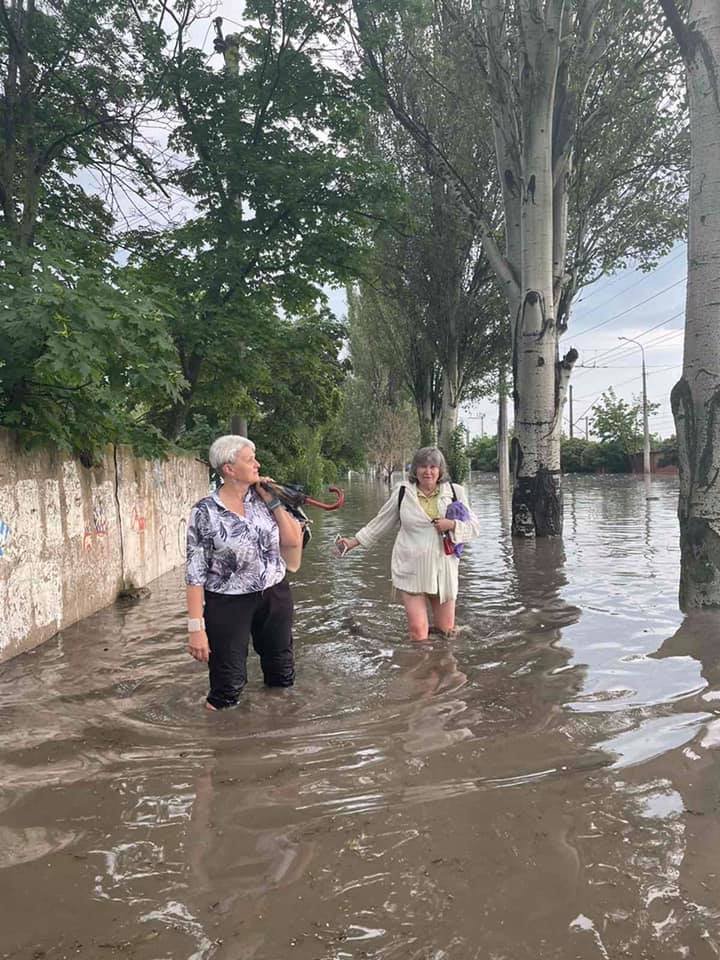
(227, 553)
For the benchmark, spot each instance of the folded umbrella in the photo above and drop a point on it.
(294, 499)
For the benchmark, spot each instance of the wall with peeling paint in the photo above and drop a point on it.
(72, 538)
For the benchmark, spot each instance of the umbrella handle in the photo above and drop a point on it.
(339, 500)
(301, 499)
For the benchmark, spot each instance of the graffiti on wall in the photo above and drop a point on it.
(138, 520)
(100, 520)
(5, 532)
(66, 535)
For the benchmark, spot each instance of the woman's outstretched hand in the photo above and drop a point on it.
(344, 544)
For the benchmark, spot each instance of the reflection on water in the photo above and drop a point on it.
(541, 785)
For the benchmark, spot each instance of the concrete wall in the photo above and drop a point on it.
(71, 538)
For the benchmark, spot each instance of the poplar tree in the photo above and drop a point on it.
(696, 396)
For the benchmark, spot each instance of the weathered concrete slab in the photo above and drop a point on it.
(71, 538)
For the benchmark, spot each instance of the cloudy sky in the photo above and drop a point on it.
(648, 307)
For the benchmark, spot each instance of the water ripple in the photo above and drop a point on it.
(541, 785)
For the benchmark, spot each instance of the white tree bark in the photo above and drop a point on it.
(696, 396)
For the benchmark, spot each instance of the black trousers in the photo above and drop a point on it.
(230, 620)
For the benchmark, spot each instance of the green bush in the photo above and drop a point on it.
(310, 469)
(579, 456)
(483, 454)
(589, 456)
(457, 459)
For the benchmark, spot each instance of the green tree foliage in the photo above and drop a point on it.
(261, 194)
(458, 460)
(482, 452)
(82, 351)
(274, 164)
(585, 456)
(433, 289)
(82, 346)
(79, 79)
(620, 121)
(617, 421)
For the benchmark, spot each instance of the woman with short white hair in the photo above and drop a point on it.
(425, 557)
(236, 576)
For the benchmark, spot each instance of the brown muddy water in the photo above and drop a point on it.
(545, 785)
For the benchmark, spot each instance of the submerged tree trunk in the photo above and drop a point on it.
(696, 396)
(533, 191)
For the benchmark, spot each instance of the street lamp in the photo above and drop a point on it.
(646, 430)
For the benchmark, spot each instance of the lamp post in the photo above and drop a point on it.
(646, 430)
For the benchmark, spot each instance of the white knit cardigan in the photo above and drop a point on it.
(419, 563)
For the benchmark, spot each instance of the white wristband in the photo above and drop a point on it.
(196, 624)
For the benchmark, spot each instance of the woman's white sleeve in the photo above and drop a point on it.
(465, 529)
(386, 519)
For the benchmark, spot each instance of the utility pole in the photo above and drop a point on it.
(646, 429)
(571, 412)
(482, 424)
(503, 452)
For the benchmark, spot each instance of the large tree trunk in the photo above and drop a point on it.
(239, 425)
(423, 396)
(537, 497)
(449, 408)
(696, 396)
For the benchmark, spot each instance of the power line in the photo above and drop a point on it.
(663, 339)
(630, 309)
(622, 384)
(632, 285)
(644, 333)
(608, 366)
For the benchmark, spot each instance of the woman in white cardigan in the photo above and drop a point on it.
(421, 568)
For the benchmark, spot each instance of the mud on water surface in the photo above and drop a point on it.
(544, 785)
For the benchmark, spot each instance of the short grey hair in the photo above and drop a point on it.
(431, 456)
(225, 449)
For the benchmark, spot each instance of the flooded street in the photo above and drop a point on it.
(544, 785)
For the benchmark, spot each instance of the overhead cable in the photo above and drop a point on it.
(629, 309)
